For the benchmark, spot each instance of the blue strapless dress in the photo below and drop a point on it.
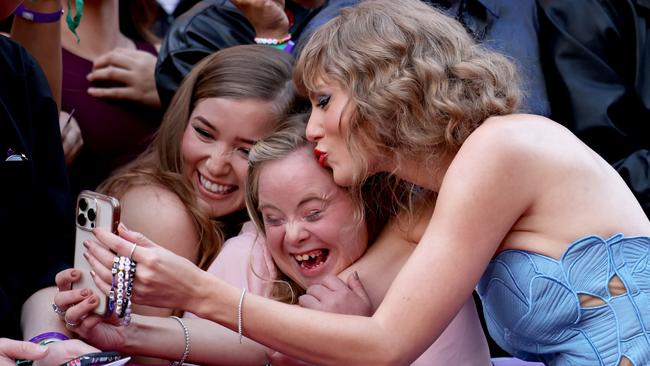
(532, 308)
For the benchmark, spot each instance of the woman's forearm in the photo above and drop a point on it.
(356, 339)
(210, 343)
(38, 317)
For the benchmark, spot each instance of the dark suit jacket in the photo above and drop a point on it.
(36, 217)
(596, 58)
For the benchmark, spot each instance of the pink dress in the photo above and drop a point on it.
(245, 261)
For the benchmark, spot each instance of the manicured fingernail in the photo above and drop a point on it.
(86, 255)
(92, 273)
(92, 300)
(74, 274)
(356, 275)
(85, 292)
(86, 244)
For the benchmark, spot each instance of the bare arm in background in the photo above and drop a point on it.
(43, 41)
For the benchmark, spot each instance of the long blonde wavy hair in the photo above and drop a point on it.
(241, 72)
(418, 83)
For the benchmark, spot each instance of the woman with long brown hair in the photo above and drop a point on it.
(187, 189)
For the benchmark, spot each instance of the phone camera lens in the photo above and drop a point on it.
(81, 219)
(83, 204)
(91, 215)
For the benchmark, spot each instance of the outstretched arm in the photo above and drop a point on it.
(155, 336)
(490, 184)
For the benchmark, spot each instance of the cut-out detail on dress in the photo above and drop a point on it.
(625, 362)
(590, 307)
(588, 301)
(616, 286)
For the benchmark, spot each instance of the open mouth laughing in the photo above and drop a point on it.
(312, 259)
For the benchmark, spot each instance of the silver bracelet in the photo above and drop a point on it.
(239, 317)
(186, 332)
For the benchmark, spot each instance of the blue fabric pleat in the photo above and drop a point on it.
(532, 307)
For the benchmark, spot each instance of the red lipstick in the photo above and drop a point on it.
(321, 156)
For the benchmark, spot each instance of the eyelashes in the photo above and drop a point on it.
(323, 100)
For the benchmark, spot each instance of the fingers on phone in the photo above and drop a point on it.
(103, 286)
(66, 278)
(100, 270)
(77, 313)
(66, 299)
(112, 241)
(102, 254)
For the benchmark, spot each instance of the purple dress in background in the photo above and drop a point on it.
(114, 131)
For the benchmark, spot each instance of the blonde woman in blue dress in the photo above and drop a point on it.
(549, 234)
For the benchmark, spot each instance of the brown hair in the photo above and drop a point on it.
(241, 72)
(418, 83)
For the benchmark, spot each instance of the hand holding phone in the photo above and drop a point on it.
(93, 210)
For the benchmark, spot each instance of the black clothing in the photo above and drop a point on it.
(164, 21)
(596, 59)
(36, 217)
(212, 25)
(206, 28)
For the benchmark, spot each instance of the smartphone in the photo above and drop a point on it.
(93, 210)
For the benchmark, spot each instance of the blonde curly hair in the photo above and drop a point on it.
(418, 84)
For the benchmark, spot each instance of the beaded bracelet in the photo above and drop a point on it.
(119, 302)
(240, 327)
(186, 333)
(272, 41)
(125, 265)
(128, 290)
(111, 292)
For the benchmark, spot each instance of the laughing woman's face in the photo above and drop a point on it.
(308, 220)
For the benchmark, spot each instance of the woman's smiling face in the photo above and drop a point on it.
(215, 148)
(308, 220)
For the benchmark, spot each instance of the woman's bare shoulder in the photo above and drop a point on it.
(525, 144)
(152, 198)
(161, 215)
(519, 131)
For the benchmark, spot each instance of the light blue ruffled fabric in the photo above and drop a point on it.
(532, 308)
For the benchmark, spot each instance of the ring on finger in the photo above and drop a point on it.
(57, 309)
(70, 324)
(132, 251)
